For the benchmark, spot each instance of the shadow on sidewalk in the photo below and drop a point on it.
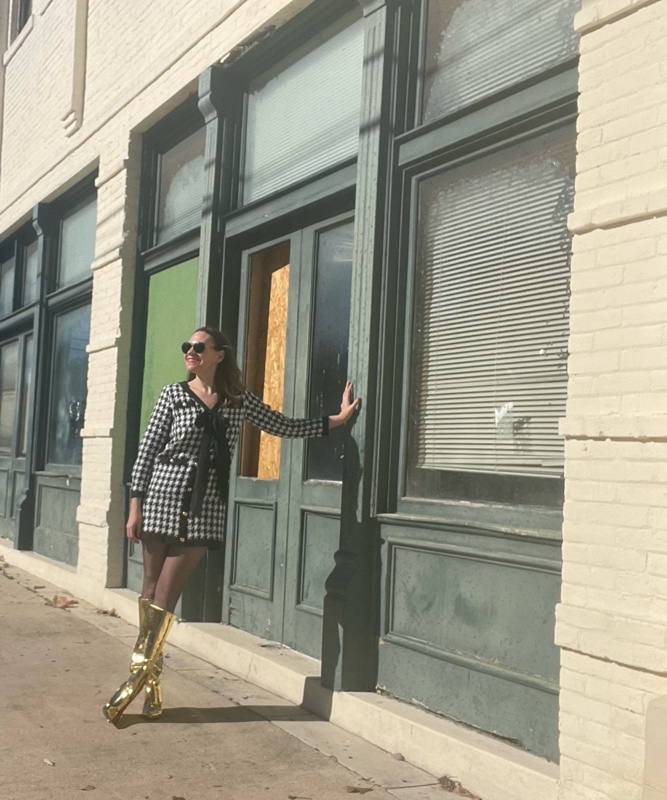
(188, 716)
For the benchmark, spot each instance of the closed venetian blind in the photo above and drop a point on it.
(476, 48)
(303, 115)
(181, 187)
(491, 317)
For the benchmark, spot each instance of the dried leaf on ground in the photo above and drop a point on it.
(60, 601)
(398, 756)
(358, 789)
(39, 587)
(177, 798)
(49, 762)
(7, 575)
(108, 612)
(455, 788)
(88, 788)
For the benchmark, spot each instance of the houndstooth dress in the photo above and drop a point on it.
(166, 470)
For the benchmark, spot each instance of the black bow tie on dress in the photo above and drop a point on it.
(214, 433)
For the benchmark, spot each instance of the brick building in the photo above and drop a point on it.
(462, 206)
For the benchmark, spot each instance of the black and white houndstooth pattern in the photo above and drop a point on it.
(165, 467)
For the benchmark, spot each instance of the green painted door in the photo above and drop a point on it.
(170, 320)
(285, 495)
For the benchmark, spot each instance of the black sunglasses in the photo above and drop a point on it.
(198, 347)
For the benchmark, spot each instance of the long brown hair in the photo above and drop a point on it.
(227, 380)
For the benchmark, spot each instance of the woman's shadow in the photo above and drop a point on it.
(225, 714)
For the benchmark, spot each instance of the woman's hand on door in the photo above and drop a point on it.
(347, 407)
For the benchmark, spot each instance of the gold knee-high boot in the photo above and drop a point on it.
(153, 694)
(152, 634)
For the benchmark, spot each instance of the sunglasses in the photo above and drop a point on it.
(198, 347)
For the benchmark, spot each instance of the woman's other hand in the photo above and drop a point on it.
(347, 407)
(134, 521)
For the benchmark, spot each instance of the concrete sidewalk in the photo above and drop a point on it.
(220, 737)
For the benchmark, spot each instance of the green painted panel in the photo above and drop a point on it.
(491, 611)
(319, 542)
(4, 483)
(171, 319)
(56, 529)
(254, 546)
(523, 714)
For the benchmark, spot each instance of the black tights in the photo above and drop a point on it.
(167, 568)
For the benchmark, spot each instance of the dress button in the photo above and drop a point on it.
(181, 539)
(185, 513)
(189, 489)
(195, 465)
(171, 461)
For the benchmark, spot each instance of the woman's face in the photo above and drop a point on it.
(208, 359)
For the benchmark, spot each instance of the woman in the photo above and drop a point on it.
(179, 487)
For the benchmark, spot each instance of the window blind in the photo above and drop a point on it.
(476, 48)
(491, 317)
(181, 189)
(303, 115)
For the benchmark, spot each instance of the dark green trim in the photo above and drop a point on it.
(174, 252)
(351, 605)
(317, 196)
(551, 99)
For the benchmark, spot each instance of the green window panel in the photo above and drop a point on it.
(171, 319)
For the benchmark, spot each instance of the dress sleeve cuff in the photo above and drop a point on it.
(325, 426)
(137, 493)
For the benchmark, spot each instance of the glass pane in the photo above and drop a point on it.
(489, 380)
(31, 274)
(68, 386)
(181, 189)
(475, 48)
(329, 349)
(303, 115)
(77, 244)
(7, 273)
(26, 391)
(172, 314)
(9, 367)
(265, 355)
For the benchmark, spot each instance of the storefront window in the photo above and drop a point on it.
(7, 275)
(30, 274)
(489, 378)
(329, 346)
(26, 393)
(9, 363)
(303, 114)
(68, 386)
(77, 244)
(181, 187)
(476, 48)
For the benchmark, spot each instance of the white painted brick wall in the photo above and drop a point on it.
(611, 622)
